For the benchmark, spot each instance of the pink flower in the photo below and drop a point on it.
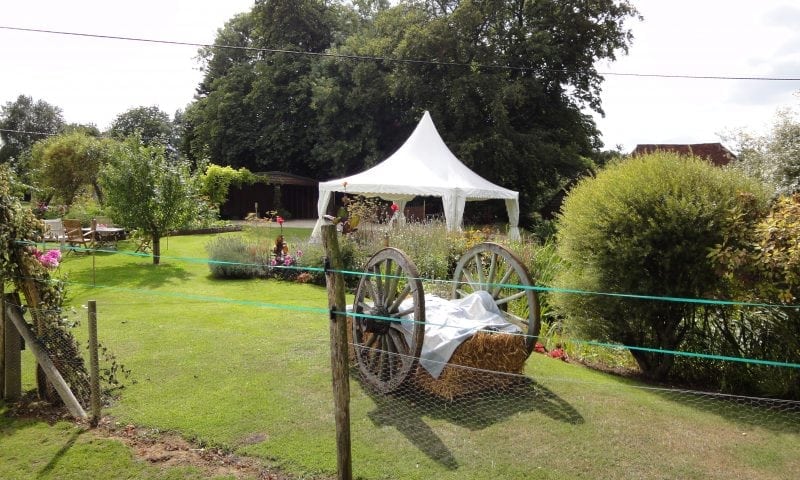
(279, 219)
(49, 259)
(273, 262)
(299, 253)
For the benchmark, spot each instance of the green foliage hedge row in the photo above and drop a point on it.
(672, 226)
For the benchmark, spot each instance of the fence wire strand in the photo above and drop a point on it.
(486, 423)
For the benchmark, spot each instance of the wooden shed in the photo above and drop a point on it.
(278, 191)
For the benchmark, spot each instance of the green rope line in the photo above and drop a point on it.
(537, 288)
(513, 286)
(545, 289)
(71, 248)
(602, 344)
(207, 298)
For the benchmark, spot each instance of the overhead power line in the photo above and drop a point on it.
(402, 60)
(26, 131)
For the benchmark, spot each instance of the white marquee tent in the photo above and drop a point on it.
(423, 165)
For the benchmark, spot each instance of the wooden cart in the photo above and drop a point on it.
(390, 290)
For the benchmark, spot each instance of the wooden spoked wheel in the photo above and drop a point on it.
(386, 344)
(491, 267)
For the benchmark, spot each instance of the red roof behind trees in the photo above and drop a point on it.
(713, 152)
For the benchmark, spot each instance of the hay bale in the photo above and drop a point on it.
(471, 367)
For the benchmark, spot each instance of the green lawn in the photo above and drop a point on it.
(244, 365)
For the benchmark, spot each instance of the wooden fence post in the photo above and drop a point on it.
(339, 349)
(12, 356)
(2, 338)
(94, 367)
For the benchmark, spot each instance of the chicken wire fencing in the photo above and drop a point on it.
(258, 382)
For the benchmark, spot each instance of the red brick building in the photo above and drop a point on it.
(713, 152)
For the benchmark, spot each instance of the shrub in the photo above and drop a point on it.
(645, 226)
(233, 257)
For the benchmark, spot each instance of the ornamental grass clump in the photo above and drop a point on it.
(234, 257)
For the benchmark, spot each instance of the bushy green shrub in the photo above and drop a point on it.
(231, 256)
(645, 226)
(312, 262)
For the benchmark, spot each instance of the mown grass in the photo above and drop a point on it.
(224, 362)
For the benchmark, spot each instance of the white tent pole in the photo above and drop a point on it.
(322, 207)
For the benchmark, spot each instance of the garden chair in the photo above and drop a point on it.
(75, 236)
(54, 231)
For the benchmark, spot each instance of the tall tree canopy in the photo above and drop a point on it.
(145, 191)
(23, 122)
(65, 163)
(254, 107)
(507, 83)
(150, 123)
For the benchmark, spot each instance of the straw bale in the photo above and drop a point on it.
(466, 372)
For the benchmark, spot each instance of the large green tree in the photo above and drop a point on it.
(507, 83)
(253, 107)
(65, 163)
(150, 123)
(145, 191)
(23, 122)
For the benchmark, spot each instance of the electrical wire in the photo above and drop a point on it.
(402, 60)
(26, 131)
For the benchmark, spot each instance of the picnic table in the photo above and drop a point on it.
(105, 236)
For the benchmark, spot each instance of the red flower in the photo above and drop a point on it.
(559, 353)
(394, 207)
(539, 348)
(279, 219)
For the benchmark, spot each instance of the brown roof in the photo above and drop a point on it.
(286, 178)
(714, 152)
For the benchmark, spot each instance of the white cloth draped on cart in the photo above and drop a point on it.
(448, 323)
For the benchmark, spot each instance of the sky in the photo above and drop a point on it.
(93, 80)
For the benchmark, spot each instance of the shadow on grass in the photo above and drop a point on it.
(73, 437)
(131, 274)
(405, 408)
(773, 414)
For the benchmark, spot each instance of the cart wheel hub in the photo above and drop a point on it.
(378, 325)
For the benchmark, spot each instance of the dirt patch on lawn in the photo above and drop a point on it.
(169, 449)
(165, 449)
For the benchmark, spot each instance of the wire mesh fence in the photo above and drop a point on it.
(252, 374)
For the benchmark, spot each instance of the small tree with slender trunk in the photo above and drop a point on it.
(146, 192)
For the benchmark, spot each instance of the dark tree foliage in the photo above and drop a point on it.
(507, 84)
(151, 124)
(23, 123)
(254, 107)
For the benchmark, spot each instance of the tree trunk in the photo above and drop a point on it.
(156, 249)
(98, 193)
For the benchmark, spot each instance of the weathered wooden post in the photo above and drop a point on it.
(2, 338)
(339, 347)
(12, 356)
(94, 367)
